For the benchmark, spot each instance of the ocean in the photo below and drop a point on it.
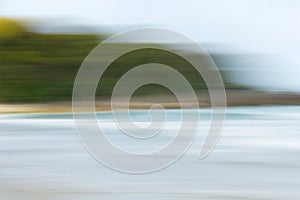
(257, 157)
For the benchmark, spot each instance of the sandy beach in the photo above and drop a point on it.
(234, 98)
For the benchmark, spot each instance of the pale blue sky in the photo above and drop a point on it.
(257, 26)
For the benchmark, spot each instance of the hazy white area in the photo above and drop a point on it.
(257, 157)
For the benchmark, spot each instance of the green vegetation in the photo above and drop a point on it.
(43, 67)
(10, 28)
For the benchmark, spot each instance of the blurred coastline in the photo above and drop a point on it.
(254, 152)
(234, 98)
(38, 70)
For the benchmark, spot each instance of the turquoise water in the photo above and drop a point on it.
(257, 157)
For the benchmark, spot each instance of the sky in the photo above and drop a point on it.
(268, 27)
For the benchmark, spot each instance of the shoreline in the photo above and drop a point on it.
(234, 98)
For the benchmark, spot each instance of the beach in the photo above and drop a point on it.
(234, 98)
